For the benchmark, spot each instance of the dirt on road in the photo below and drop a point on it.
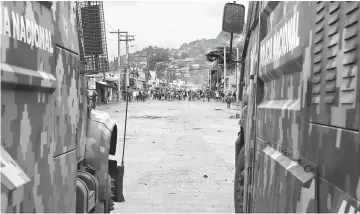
(179, 156)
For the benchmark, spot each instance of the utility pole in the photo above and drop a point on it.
(127, 74)
(225, 71)
(118, 63)
(126, 40)
(217, 76)
(237, 75)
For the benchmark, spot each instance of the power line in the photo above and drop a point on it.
(109, 31)
(110, 26)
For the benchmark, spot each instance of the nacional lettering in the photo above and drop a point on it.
(284, 40)
(25, 30)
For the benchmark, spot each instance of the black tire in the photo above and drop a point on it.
(109, 203)
(239, 182)
(112, 195)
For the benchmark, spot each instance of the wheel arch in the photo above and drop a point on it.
(101, 142)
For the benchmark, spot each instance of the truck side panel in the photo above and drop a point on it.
(285, 56)
(335, 102)
(307, 130)
(66, 101)
(23, 112)
(30, 33)
(251, 68)
(82, 118)
(65, 182)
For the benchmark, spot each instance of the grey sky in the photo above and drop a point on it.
(162, 23)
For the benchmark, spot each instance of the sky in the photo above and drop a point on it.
(166, 24)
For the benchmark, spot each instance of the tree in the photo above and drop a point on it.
(184, 55)
(160, 70)
(176, 56)
(155, 57)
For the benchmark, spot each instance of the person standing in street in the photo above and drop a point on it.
(134, 94)
(109, 96)
(228, 100)
(143, 96)
(163, 96)
(104, 97)
(94, 99)
(128, 94)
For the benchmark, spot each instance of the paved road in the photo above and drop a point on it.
(179, 156)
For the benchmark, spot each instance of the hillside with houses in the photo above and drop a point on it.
(187, 65)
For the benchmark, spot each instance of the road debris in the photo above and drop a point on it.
(146, 117)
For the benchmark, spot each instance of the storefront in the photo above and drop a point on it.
(104, 92)
(114, 89)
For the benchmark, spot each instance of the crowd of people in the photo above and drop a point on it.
(138, 94)
(173, 94)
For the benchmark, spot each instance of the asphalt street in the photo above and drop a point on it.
(179, 156)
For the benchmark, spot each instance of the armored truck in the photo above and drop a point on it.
(54, 148)
(298, 148)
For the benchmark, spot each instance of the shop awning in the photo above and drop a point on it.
(102, 83)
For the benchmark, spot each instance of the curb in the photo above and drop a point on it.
(103, 106)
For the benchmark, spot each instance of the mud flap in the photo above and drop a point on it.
(117, 173)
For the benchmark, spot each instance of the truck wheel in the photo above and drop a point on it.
(112, 194)
(239, 182)
(110, 202)
(107, 205)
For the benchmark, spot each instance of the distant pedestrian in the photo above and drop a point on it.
(144, 96)
(109, 96)
(94, 99)
(222, 96)
(134, 94)
(104, 96)
(228, 100)
(130, 95)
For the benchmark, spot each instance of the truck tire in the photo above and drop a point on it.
(107, 205)
(239, 182)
